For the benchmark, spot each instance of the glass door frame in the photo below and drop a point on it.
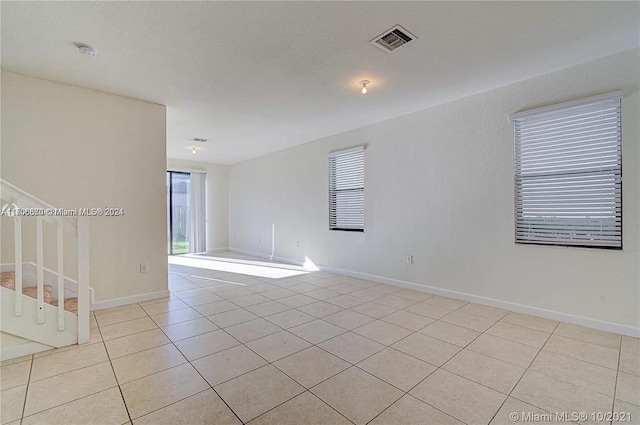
(170, 200)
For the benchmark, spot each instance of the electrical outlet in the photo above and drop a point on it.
(409, 259)
(143, 268)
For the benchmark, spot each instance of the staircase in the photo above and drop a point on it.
(44, 308)
(8, 280)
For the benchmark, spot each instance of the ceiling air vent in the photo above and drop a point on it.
(393, 39)
(199, 140)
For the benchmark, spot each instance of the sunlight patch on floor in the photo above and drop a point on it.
(246, 267)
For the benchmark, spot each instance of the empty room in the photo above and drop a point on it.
(319, 213)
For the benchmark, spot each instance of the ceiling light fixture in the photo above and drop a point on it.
(194, 149)
(364, 83)
(87, 50)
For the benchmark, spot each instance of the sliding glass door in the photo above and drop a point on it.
(178, 201)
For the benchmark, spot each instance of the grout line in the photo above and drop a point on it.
(26, 391)
(436, 367)
(350, 365)
(421, 401)
(268, 363)
(615, 386)
(350, 330)
(481, 333)
(115, 376)
(197, 371)
(522, 376)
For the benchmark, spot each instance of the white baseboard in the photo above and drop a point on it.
(221, 249)
(507, 305)
(116, 302)
(267, 256)
(25, 349)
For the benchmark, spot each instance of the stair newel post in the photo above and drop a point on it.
(60, 242)
(17, 236)
(40, 268)
(83, 280)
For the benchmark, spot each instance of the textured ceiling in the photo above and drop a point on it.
(257, 77)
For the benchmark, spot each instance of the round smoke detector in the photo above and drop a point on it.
(87, 50)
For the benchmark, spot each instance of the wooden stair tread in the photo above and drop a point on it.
(70, 304)
(8, 280)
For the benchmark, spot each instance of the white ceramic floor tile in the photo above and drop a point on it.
(12, 403)
(585, 351)
(490, 372)
(256, 392)
(427, 349)
(203, 408)
(189, 328)
(105, 407)
(15, 375)
(228, 364)
(304, 409)
(253, 329)
(233, 317)
(320, 309)
(289, 318)
(503, 349)
(411, 411)
(585, 375)
(175, 316)
(408, 320)
(531, 322)
(153, 392)
(311, 366)
(143, 363)
(130, 327)
(351, 347)
(397, 368)
(70, 386)
(554, 395)
(519, 334)
(382, 332)
(317, 331)
(348, 319)
(278, 345)
(133, 343)
(593, 336)
(461, 398)
(357, 395)
(453, 334)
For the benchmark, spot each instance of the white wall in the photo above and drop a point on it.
(217, 199)
(79, 148)
(439, 186)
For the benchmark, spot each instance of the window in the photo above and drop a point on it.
(568, 174)
(346, 190)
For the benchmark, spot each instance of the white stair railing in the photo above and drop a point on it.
(78, 228)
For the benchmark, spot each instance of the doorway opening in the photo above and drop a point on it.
(178, 204)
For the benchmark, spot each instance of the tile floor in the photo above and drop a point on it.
(319, 348)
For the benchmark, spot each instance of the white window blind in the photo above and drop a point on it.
(346, 189)
(568, 174)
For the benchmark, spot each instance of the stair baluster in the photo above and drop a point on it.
(17, 236)
(40, 265)
(60, 242)
(83, 280)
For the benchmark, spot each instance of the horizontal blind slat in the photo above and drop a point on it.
(568, 169)
(346, 190)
